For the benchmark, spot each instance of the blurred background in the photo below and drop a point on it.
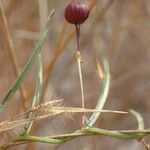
(116, 29)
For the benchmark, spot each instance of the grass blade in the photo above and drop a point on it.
(103, 97)
(139, 118)
(38, 91)
(28, 66)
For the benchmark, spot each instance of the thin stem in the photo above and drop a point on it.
(78, 36)
(38, 90)
(80, 75)
(85, 132)
(78, 56)
(147, 147)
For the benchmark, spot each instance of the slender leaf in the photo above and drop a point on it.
(139, 119)
(28, 66)
(38, 91)
(103, 97)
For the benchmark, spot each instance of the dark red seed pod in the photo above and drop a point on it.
(76, 13)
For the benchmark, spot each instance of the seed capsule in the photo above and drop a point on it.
(76, 13)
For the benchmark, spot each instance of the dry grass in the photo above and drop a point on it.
(45, 110)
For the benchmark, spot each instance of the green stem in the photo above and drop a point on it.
(114, 134)
(78, 56)
(126, 135)
(38, 91)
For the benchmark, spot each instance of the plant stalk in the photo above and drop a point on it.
(79, 60)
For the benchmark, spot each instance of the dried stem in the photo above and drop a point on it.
(146, 145)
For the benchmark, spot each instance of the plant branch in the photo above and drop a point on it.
(126, 135)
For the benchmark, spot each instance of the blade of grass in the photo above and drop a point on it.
(103, 97)
(138, 118)
(38, 91)
(11, 51)
(28, 66)
(140, 122)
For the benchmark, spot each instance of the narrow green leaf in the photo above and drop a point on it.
(139, 119)
(38, 91)
(28, 66)
(103, 97)
(114, 134)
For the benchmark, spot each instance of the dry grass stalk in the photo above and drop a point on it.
(46, 110)
(41, 107)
